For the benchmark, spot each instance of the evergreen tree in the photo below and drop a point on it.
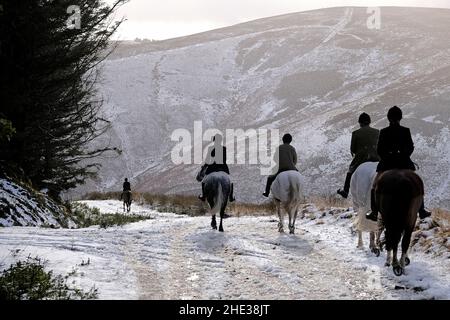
(50, 52)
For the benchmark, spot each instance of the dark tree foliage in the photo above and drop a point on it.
(49, 68)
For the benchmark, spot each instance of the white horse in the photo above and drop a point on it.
(360, 187)
(288, 192)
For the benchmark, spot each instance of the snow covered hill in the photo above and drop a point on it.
(180, 257)
(309, 73)
(22, 206)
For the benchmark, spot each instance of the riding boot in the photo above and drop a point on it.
(232, 198)
(270, 180)
(373, 215)
(423, 213)
(344, 193)
(202, 196)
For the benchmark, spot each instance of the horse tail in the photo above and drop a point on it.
(218, 200)
(294, 197)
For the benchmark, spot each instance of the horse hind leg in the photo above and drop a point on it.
(280, 216)
(404, 259)
(388, 258)
(222, 213)
(213, 222)
(360, 240)
(373, 244)
(292, 226)
(396, 266)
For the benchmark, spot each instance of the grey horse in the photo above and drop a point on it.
(217, 192)
(287, 191)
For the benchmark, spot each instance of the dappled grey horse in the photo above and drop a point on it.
(399, 195)
(287, 192)
(217, 192)
(360, 186)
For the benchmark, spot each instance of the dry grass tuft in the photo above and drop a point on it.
(329, 200)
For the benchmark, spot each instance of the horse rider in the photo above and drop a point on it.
(395, 147)
(216, 161)
(285, 158)
(363, 148)
(126, 187)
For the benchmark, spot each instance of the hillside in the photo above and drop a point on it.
(23, 206)
(309, 73)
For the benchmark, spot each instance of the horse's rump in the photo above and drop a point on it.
(399, 195)
(288, 186)
(360, 189)
(402, 183)
(126, 196)
(217, 190)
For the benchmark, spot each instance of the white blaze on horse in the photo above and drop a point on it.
(217, 192)
(399, 195)
(360, 187)
(287, 192)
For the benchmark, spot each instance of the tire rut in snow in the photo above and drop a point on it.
(148, 281)
(182, 271)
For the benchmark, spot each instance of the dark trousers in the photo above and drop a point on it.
(270, 180)
(348, 178)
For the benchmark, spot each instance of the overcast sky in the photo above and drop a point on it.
(164, 19)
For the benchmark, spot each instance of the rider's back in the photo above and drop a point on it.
(395, 147)
(364, 144)
(287, 157)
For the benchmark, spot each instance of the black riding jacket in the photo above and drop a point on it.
(126, 186)
(395, 147)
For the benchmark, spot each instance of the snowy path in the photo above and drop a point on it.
(180, 257)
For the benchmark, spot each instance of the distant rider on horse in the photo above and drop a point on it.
(126, 187)
(363, 148)
(216, 161)
(395, 147)
(285, 158)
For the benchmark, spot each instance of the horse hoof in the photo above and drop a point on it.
(376, 251)
(291, 232)
(387, 264)
(398, 271)
(214, 227)
(220, 229)
(407, 261)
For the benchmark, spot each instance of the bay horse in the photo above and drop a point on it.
(399, 195)
(360, 189)
(287, 192)
(217, 192)
(126, 197)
